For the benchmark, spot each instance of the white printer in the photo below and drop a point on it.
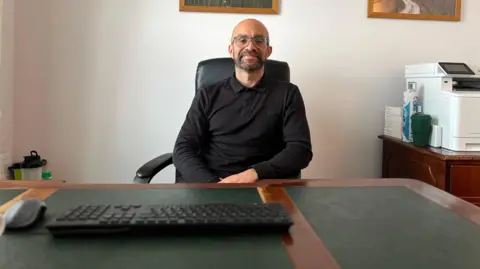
(450, 93)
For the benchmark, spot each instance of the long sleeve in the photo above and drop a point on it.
(192, 135)
(297, 153)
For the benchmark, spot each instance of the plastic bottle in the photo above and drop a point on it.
(410, 107)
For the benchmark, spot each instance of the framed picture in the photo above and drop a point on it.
(439, 10)
(231, 6)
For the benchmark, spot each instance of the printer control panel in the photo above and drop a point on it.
(456, 68)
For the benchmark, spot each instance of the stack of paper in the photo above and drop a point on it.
(393, 122)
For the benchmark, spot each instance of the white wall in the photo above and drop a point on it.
(6, 75)
(31, 79)
(101, 86)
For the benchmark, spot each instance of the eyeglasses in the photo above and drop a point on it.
(258, 41)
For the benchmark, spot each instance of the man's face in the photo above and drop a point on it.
(250, 52)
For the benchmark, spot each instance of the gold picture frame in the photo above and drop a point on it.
(231, 6)
(437, 10)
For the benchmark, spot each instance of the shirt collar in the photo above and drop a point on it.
(238, 87)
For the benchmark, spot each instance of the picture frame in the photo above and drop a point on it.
(446, 10)
(230, 6)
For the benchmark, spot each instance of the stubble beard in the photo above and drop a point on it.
(247, 66)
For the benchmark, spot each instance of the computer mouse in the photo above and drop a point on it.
(24, 214)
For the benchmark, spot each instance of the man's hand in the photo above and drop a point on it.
(247, 176)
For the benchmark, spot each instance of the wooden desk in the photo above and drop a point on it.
(5, 182)
(455, 172)
(351, 223)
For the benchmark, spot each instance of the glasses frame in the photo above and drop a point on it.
(250, 39)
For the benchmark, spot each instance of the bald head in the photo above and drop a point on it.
(250, 27)
(250, 45)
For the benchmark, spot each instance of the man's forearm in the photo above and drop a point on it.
(293, 158)
(190, 166)
(297, 153)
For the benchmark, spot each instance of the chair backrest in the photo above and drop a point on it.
(213, 70)
(216, 69)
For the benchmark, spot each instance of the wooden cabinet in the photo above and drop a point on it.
(455, 172)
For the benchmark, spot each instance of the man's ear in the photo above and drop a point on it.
(269, 52)
(230, 50)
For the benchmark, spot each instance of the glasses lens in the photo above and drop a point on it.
(260, 41)
(241, 41)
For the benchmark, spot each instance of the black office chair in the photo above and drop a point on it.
(208, 72)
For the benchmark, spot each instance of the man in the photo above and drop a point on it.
(247, 127)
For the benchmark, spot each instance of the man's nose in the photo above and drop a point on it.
(251, 46)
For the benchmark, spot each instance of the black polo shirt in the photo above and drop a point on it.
(230, 128)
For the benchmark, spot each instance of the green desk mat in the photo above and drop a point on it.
(7, 195)
(37, 249)
(388, 227)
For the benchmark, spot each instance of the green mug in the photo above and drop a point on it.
(421, 129)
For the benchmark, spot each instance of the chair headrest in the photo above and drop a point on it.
(213, 70)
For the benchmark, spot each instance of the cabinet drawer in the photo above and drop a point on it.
(465, 180)
(402, 162)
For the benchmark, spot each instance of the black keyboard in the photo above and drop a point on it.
(200, 219)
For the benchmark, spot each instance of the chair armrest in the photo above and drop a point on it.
(147, 171)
